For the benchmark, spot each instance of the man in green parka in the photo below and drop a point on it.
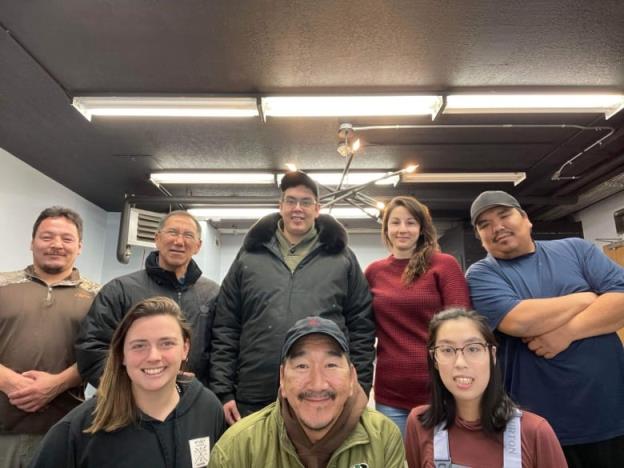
(320, 418)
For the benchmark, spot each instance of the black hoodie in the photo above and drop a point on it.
(183, 440)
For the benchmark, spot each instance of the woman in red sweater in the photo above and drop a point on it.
(471, 421)
(409, 287)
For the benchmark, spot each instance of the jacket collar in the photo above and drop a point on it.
(161, 276)
(332, 235)
(72, 280)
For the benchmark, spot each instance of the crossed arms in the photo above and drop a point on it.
(550, 325)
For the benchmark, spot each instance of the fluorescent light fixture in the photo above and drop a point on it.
(166, 106)
(217, 214)
(212, 178)
(464, 177)
(352, 178)
(351, 212)
(349, 106)
(609, 104)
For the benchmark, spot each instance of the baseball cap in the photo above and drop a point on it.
(489, 199)
(295, 178)
(313, 324)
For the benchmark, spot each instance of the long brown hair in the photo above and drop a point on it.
(115, 407)
(427, 242)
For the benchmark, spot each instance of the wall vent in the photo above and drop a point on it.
(142, 227)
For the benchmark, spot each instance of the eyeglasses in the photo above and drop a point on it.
(292, 202)
(447, 354)
(174, 234)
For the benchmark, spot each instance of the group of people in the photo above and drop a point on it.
(283, 351)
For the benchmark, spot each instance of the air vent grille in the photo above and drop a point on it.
(143, 227)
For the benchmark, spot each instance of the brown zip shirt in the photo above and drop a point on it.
(38, 326)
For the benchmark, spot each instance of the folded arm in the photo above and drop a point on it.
(533, 317)
(604, 315)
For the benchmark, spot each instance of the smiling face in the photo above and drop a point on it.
(153, 352)
(403, 231)
(55, 246)
(465, 379)
(505, 232)
(177, 242)
(298, 219)
(317, 379)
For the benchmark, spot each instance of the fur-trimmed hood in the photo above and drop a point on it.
(332, 235)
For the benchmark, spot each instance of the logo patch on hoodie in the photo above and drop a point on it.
(200, 452)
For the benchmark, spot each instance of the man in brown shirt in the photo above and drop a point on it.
(40, 312)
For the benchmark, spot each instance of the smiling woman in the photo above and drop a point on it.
(408, 287)
(146, 410)
(471, 421)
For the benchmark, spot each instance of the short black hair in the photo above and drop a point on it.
(59, 212)
(296, 178)
(184, 213)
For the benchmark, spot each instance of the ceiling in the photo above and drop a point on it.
(52, 50)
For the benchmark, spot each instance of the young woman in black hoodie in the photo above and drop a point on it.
(147, 412)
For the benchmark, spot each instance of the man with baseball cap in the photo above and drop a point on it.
(292, 264)
(556, 306)
(320, 418)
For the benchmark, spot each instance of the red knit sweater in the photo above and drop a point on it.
(402, 315)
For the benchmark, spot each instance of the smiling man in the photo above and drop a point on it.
(293, 261)
(169, 271)
(320, 418)
(556, 306)
(40, 312)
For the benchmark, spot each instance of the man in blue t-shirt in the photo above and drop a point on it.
(555, 306)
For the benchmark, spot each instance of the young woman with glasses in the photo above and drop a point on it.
(408, 287)
(147, 412)
(471, 422)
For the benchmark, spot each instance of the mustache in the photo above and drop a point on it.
(55, 252)
(321, 394)
(502, 233)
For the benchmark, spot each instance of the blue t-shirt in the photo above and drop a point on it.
(581, 390)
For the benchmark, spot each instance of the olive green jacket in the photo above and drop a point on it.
(260, 440)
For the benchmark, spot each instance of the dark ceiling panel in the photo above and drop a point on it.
(51, 50)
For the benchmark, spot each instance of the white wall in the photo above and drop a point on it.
(209, 257)
(24, 193)
(598, 220)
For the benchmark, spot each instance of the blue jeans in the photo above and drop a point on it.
(397, 415)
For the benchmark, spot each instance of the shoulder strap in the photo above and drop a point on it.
(441, 451)
(512, 444)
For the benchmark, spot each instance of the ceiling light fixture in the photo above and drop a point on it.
(217, 214)
(352, 178)
(464, 177)
(216, 178)
(90, 106)
(346, 106)
(609, 104)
